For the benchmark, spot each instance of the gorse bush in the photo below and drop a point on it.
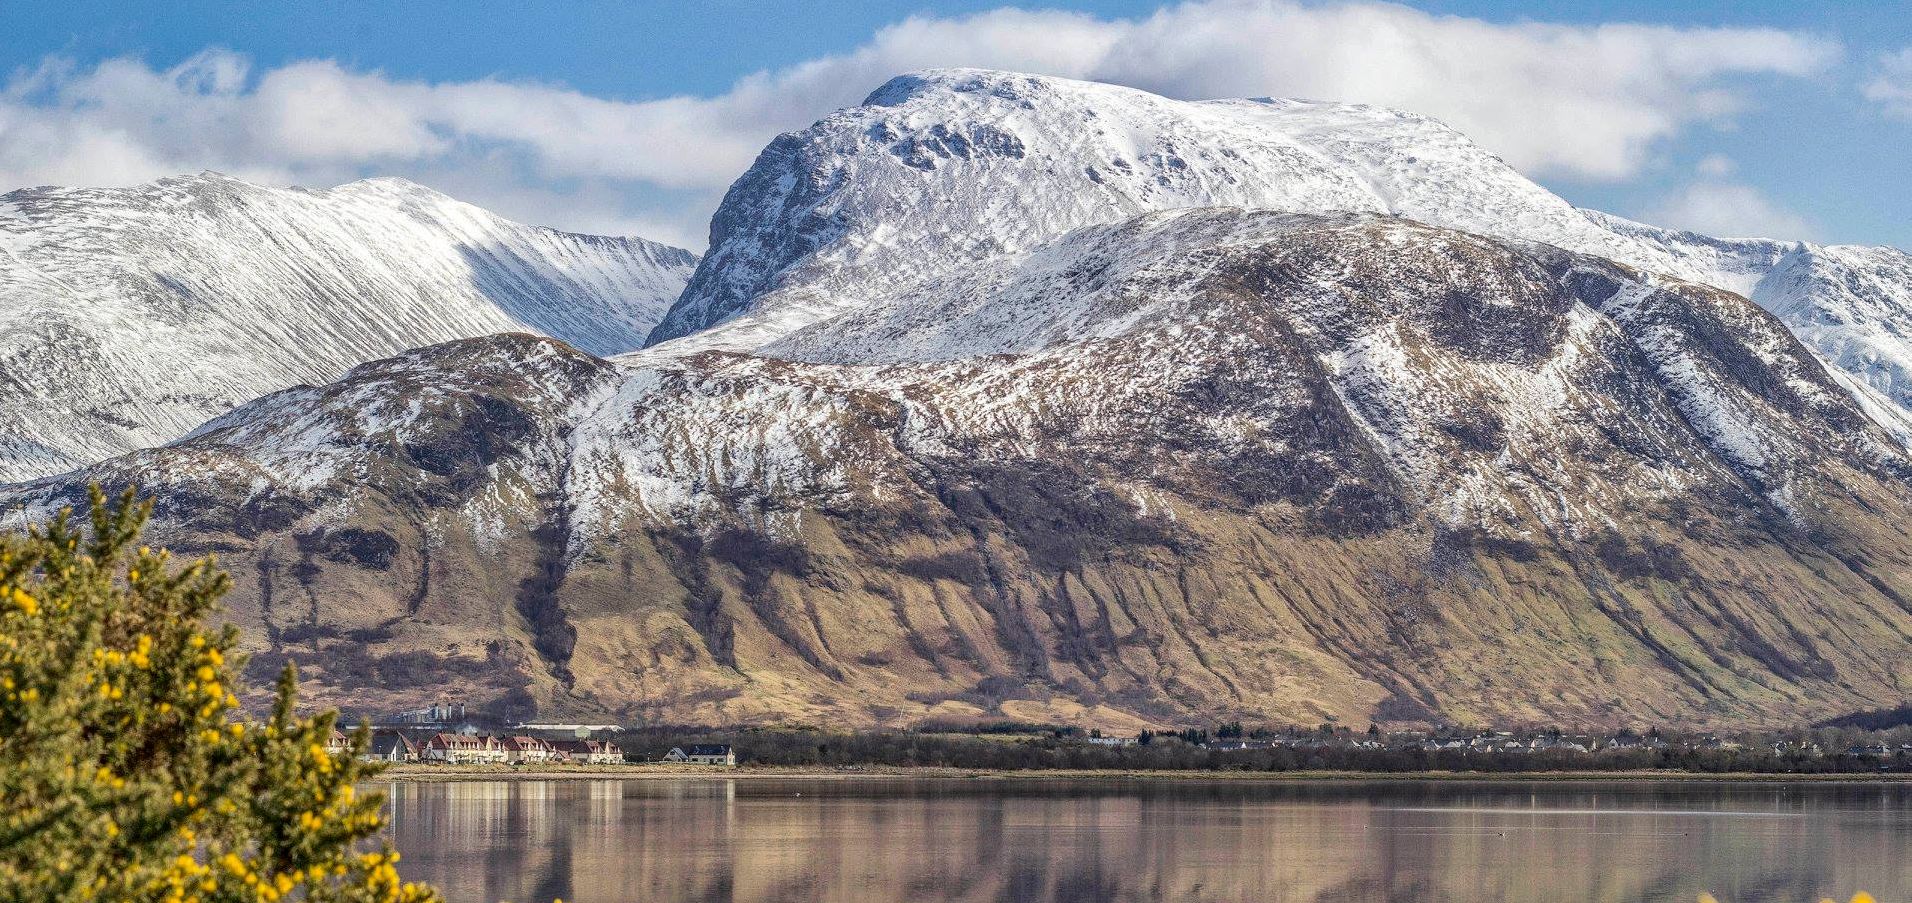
(126, 769)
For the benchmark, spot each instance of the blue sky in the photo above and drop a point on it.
(1791, 118)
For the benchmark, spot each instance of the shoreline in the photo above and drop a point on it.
(433, 774)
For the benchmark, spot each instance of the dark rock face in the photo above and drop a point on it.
(751, 206)
(944, 142)
(1349, 468)
(369, 549)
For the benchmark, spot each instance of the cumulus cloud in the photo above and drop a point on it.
(1891, 84)
(1585, 101)
(1713, 204)
(1588, 101)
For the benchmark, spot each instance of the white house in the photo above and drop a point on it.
(703, 754)
(391, 747)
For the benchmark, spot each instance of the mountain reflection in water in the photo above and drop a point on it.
(1035, 839)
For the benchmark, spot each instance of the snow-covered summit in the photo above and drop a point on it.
(945, 167)
(134, 314)
(942, 171)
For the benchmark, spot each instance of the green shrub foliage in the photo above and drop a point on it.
(127, 771)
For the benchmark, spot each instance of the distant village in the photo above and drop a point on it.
(441, 734)
(1491, 741)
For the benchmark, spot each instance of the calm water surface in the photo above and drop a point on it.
(884, 839)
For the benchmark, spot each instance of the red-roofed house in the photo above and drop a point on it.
(521, 750)
(464, 749)
(589, 752)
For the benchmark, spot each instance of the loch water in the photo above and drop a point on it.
(885, 839)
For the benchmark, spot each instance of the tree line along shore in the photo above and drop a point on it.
(1231, 749)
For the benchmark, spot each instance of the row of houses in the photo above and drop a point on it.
(1510, 742)
(1236, 744)
(1484, 741)
(482, 749)
(1880, 751)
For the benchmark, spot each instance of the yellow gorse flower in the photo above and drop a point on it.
(254, 815)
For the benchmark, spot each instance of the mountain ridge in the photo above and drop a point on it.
(1002, 162)
(1293, 468)
(139, 313)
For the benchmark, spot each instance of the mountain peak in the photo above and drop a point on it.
(944, 171)
(1028, 89)
(1008, 85)
(946, 167)
(397, 186)
(204, 176)
(214, 187)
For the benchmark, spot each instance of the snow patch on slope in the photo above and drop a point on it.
(135, 314)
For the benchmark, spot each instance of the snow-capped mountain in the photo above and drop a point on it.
(1016, 397)
(1194, 464)
(943, 169)
(132, 315)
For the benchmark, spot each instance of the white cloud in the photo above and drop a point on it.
(1715, 204)
(1717, 207)
(1891, 84)
(1717, 166)
(1586, 101)
(1576, 100)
